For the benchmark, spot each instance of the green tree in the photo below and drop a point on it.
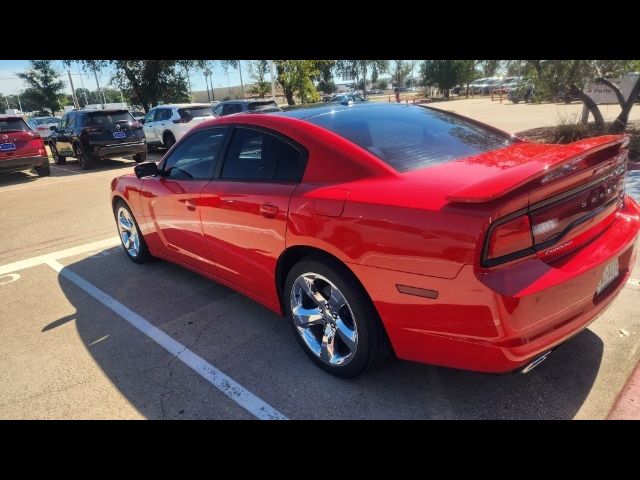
(489, 68)
(442, 73)
(43, 78)
(327, 86)
(148, 82)
(359, 70)
(401, 71)
(467, 73)
(258, 73)
(296, 78)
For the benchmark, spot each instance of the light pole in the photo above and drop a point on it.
(20, 104)
(73, 92)
(207, 72)
(273, 83)
(241, 83)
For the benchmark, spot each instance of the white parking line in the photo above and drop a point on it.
(236, 392)
(69, 252)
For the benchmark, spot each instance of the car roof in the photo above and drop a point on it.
(10, 117)
(93, 110)
(247, 100)
(322, 109)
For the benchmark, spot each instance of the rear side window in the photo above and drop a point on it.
(108, 118)
(196, 157)
(195, 112)
(260, 156)
(231, 108)
(412, 137)
(163, 114)
(13, 125)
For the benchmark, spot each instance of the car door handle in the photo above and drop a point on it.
(191, 205)
(269, 211)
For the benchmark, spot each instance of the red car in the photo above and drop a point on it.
(374, 225)
(21, 148)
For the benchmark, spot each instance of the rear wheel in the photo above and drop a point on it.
(333, 319)
(86, 162)
(140, 157)
(169, 140)
(57, 158)
(43, 171)
(132, 240)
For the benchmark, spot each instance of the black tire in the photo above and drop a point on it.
(43, 171)
(515, 100)
(57, 159)
(143, 251)
(372, 343)
(168, 140)
(85, 160)
(140, 157)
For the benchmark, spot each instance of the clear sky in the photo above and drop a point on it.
(10, 84)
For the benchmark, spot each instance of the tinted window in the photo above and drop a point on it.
(195, 112)
(230, 108)
(108, 118)
(71, 123)
(263, 106)
(256, 155)
(163, 114)
(218, 110)
(13, 125)
(195, 158)
(411, 137)
(42, 121)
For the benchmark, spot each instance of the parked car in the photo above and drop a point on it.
(166, 124)
(21, 148)
(43, 125)
(229, 107)
(377, 226)
(90, 135)
(345, 98)
(523, 92)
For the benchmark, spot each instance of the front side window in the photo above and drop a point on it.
(196, 157)
(164, 114)
(260, 156)
(64, 121)
(149, 116)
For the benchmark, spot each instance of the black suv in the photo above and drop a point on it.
(90, 135)
(242, 106)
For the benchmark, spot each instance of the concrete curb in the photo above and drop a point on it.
(627, 405)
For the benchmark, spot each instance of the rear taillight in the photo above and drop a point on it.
(508, 239)
(136, 126)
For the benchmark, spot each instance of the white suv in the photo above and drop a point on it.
(164, 125)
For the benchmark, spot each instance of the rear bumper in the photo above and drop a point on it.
(108, 151)
(22, 163)
(500, 321)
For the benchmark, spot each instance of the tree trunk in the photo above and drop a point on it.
(288, 93)
(591, 105)
(620, 123)
(364, 90)
(467, 89)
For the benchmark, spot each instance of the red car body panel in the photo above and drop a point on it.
(420, 231)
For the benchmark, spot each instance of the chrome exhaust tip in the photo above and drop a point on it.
(535, 362)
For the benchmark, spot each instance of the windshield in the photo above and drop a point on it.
(108, 118)
(412, 137)
(45, 120)
(13, 125)
(196, 111)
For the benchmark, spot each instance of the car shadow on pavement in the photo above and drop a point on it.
(16, 178)
(257, 349)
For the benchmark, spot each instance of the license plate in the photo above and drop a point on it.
(7, 147)
(119, 134)
(609, 274)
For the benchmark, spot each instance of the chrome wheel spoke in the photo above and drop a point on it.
(305, 317)
(128, 232)
(336, 300)
(310, 290)
(327, 349)
(348, 336)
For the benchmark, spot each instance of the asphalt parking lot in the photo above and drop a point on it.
(86, 333)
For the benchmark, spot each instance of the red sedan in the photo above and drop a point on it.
(375, 227)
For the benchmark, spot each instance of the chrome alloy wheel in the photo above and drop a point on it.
(128, 232)
(324, 319)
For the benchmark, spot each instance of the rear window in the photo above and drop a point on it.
(13, 125)
(195, 112)
(261, 106)
(412, 137)
(108, 118)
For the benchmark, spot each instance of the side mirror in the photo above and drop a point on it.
(53, 128)
(147, 169)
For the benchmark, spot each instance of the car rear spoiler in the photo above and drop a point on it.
(505, 181)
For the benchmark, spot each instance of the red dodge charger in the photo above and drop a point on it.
(379, 227)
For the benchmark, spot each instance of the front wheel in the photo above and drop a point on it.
(43, 171)
(333, 319)
(132, 240)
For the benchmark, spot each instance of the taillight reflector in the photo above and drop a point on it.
(510, 237)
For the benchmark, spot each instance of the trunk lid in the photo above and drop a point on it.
(112, 128)
(20, 144)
